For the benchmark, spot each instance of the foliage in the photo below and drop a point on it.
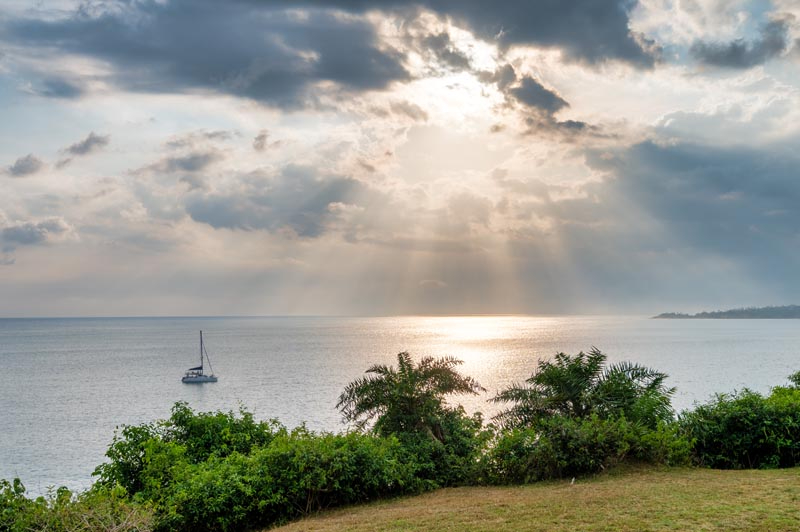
(409, 402)
(573, 417)
(201, 434)
(563, 447)
(454, 459)
(580, 386)
(220, 471)
(407, 399)
(296, 474)
(217, 433)
(746, 430)
(126, 457)
(96, 510)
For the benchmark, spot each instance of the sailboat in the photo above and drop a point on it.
(196, 375)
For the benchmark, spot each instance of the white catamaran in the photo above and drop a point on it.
(196, 375)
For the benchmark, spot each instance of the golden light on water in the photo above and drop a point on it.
(460, 329)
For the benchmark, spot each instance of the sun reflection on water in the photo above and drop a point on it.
(498, 350)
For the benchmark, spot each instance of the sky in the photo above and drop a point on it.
(354, 157)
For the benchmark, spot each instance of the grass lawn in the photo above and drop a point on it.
(632, 500)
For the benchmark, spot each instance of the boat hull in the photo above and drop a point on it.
(198, 379)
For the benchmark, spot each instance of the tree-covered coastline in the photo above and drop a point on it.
(574, 416)
(749, 313)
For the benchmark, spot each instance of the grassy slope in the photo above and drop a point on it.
(636, 500)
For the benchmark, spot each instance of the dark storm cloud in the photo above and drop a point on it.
(741, 54)
(258, 50)
(539, 103)
(734, 203)
(685, 223)
(504, 76)
(592, 31)
(442, 47)
(25, 166)
(276, 54)
(533, 94)
(298, 199)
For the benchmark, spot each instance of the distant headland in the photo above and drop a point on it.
(765, 313)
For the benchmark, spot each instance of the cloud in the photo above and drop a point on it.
(60, 88)
(297, 199)
(740, 54)
(197, 138)
(290, 54)
(32, 233)
(90, 144)
(539, 103)
(261, 142)
(735, 203)
(409, 109)
(504, 76)
(445, 51)
(195, 161)
(591, 31)
(269, 52)
(533, 94)
(194, 182)
(25, 166)
(527, 91)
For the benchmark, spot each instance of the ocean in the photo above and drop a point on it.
(66, 384)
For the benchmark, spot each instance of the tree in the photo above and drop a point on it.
(581, 385)
(406, 399)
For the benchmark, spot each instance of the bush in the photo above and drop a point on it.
(96, 510)
(296, 474)
(220, 471)
(564, 447)
(746, 430)
(454, 459)
(200, 435)
(581, 386)
(217, 433)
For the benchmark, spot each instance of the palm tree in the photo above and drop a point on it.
(407, 399)
(581, 385)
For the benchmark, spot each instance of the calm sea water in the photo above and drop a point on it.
(65, 384)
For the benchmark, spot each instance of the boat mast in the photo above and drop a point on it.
(201, 351)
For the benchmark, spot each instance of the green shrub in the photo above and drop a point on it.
(217, 433)
(126, 457)
(564, 447)
(199, 434)
(746, 430)
(60, 510)
(582, 385)
(453, 459)
(222, 471)
(296, 474)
